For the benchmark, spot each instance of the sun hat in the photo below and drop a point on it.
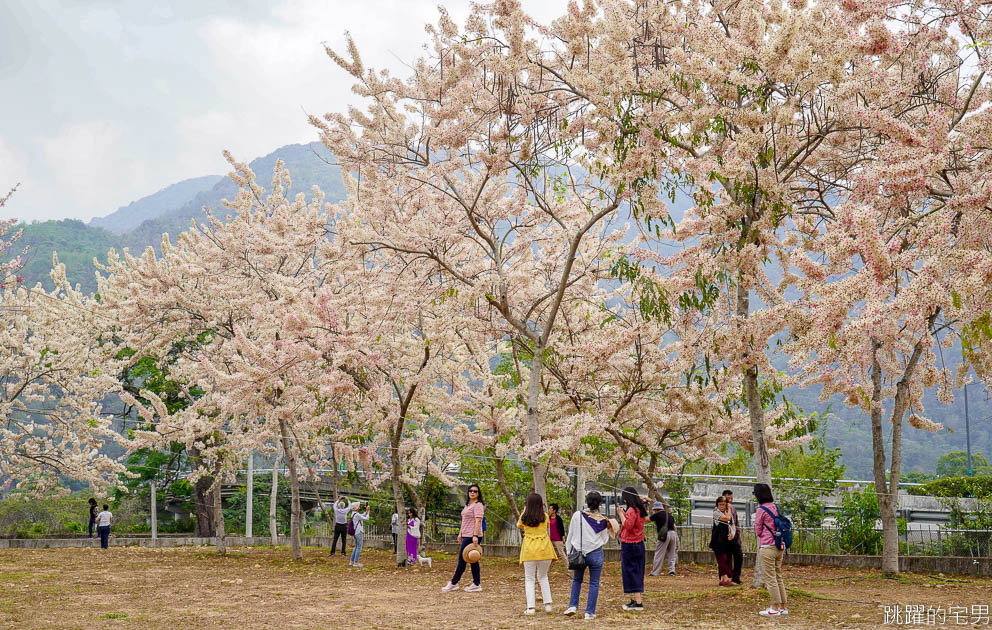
(472, 553)
(658, 505)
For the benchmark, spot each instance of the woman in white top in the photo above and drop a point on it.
(588, 531)
(412, 536)
(103, 526)
(358, 519)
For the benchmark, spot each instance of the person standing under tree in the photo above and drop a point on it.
(668, 540)
(103, 520)
(735, 550)
(92, 517)
(536, 551)
(588, 532)
(470, 533)
(413, 533)
(394, 528)
(720, 539)
(769, 556)
(632, 556)
(556, 530)
(358, 519)
(341, 510)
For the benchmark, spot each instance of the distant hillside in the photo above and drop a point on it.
(143, 221)
(76, 243)
(309, 165)
(166, 200)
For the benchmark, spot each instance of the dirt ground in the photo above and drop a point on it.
(262, 588)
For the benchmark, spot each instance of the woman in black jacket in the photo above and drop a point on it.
(721, 538)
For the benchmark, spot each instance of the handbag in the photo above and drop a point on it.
(577, 559)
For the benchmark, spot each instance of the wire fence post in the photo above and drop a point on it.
(251, 496)
(154, 511)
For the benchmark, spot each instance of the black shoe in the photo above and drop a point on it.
(633, 606)
(671, 573)
(737, 582)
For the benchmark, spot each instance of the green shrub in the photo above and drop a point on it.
(979, 487)
(856, 521)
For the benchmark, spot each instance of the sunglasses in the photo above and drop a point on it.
(475, 491)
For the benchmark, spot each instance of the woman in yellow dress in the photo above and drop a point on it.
(536, 551)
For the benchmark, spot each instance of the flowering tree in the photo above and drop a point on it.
(899, 263)
(488, 169)
(9, 267)
(55, 372)
(259, 332)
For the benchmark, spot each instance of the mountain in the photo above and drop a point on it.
(309, 165)
(77, 245)
(142, 222)
(169, 198)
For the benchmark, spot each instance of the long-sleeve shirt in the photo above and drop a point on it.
(764, 525)
(358, 518)
(583, 537)
(632, 530)
(340, 514)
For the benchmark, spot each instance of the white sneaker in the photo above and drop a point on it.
(569, 611)
(770, 612)
(529, 611)
(547, 608)
(784, 612)
(473, 588)
(590, 616)
(350, 563)
(447, 588)
(357, 564)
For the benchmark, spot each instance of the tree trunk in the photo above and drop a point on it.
(890, 563)
(533, 427)
(400, 507)
(203, 500)
(334, 471)
(294, 486)
(762, 462)
(273, 496)
(501, 480)
(219, 517)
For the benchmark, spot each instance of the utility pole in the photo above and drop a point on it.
(154, 512)
(967, 432)
(251, 495)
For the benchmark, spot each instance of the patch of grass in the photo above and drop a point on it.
(115, 616)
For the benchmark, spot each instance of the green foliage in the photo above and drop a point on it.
(38, 517)
(916, 476)
(519, 481)
(235, 512)
(954, 487)
(679, 488)
(856, 519)
(77, 245)
(955, 464)
(817, 470)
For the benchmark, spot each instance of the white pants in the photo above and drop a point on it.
(540, 569)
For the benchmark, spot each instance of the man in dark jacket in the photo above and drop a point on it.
(668, 539)
(734, 549)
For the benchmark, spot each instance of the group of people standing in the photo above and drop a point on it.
(101, 521)
(725, 541)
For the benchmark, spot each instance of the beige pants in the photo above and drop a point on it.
(770, 559)
(560, 550)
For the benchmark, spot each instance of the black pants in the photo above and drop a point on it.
(737, 558)
(104, 536)
(340, 529)
(394, 543)
(476, 572)
(92, 526)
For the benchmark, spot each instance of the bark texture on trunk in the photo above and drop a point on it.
(294, 486)
(400, 507)
(273, 497)
(759, 444)
(538, 468)
(203, 500)
(219, 533)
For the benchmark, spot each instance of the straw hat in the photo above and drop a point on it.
(472, 553)
(616, 527)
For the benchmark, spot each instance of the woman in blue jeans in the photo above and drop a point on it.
(588, 532)
(358, 519)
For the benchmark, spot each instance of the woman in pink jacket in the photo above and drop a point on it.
(769, 556)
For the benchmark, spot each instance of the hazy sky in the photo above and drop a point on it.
(104, 102)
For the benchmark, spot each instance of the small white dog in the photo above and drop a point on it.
(423, 561)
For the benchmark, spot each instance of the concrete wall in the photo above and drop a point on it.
(913, 564)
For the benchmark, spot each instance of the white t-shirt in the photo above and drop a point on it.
(103, 518)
